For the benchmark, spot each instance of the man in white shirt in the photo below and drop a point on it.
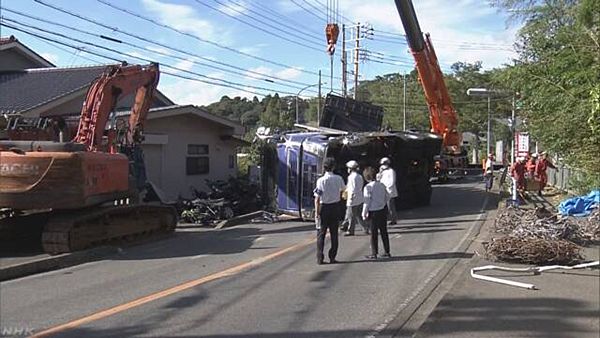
(328, 192)
(488, 172)
(387, 176)
(375, 210)
(354, 199)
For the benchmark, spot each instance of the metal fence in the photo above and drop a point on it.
(562, 177)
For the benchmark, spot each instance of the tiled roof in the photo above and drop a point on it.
(23, 90)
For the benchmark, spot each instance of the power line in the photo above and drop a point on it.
(317, 9)
(170, 28)
(224, 83)
(283, 17)
(54, 45)
(154, 51)
(253, 25)
(342, 16)
(309, 11)
(261, 15)
(119, 60)
(177, 49)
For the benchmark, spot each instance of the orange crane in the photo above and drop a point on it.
(442, 116)
(86, 191)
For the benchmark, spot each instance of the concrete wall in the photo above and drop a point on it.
(12, 60)
(165, 152)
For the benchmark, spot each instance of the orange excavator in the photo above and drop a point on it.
(442, 116)
(93, 189)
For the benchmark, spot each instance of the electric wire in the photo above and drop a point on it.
(211, 80)
(178, 49)
(88, 51)
(262, 16)
(302, 44)
(155, 51)
(309, 11)
(170, 28)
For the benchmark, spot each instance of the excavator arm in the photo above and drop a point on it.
(442, 116)
(102, 97)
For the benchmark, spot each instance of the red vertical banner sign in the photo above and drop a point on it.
(522, 142)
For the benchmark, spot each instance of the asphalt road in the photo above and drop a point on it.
(254, 280)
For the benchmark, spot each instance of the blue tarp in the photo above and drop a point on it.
(580, 206)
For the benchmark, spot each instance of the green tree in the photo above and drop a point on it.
(557, 73)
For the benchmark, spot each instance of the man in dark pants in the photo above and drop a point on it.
(328, 192)
(375, 210)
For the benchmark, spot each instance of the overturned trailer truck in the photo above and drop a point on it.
(293, 164)
(293, 161)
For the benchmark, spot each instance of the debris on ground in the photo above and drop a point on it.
(540, 236)
(533, 250)
(224, 200)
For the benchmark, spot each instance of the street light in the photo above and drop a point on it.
(298, 95)
(488, 93)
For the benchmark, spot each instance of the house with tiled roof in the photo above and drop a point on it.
(184, 146)
(15, 55)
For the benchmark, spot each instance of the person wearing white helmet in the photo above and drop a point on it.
(354, 200)
(387, 176)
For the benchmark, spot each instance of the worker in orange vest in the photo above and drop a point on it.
(517, 171)
(540, 171)
(530, 166)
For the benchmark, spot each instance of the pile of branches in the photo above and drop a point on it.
(541, 237)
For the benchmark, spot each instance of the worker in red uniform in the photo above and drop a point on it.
(517, 171)
(540, 171)
(530, 166)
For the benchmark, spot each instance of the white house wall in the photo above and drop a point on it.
(170, 174)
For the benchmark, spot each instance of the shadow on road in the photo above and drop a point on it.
(547, 317)
(439, 255)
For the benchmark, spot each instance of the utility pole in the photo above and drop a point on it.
(489, 125)
(344, 64)
(356, 51)
(404, 101)
(319, 102)
(514, 129)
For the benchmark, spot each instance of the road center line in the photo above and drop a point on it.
(167, 292)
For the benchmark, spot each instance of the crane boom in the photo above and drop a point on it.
(442, 116)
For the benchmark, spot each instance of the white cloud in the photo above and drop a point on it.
(184, 65)
(287, 74)
(183, 91)
(181, 17)
(138, 55)
(250, 74)
(161, 50)
(50, 57)
(234, 9)
(253, 50)
(449, 22)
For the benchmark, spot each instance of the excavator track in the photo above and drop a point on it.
(82, 229)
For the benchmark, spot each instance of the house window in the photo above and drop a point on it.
(197, 149)
(196, 162)
(231, 161)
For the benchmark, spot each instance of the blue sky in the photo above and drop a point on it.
(463, 30)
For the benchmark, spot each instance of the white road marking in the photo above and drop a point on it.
(377, 329)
